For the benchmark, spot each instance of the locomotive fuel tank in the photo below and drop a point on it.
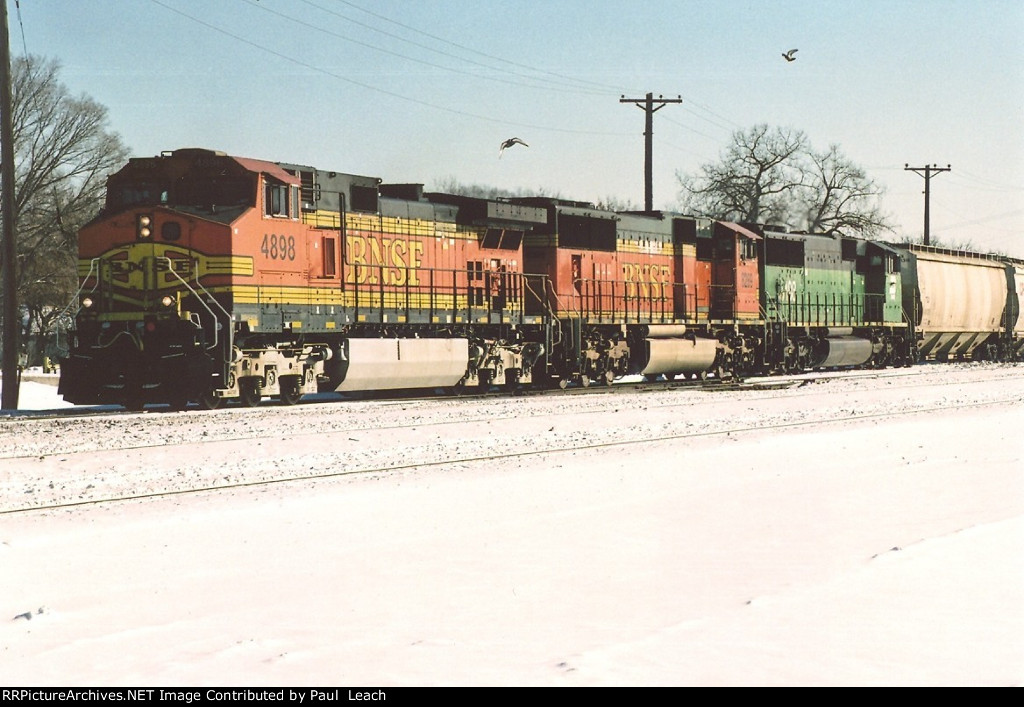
(840, 348)
(393, 364)
(667, 350)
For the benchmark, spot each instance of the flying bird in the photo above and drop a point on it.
(788, 56)
(509, 143)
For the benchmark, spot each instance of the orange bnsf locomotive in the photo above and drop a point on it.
(209, 278)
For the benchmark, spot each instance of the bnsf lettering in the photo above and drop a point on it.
(396, 261)
(646, 280)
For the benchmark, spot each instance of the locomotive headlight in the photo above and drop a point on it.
(167, 301)
(87, 302)
(144, 226)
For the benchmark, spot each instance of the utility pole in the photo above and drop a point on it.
(9, 362)
(928, 171)
(647, 105)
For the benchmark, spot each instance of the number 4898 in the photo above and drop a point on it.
(278, 247)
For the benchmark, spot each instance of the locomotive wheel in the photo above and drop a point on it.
(290, 394)
(585, 381)
(134, 399)
(178, 403)
(608, 377)
(563, 383)
(209, 401)
(249, 392)
(512, 380)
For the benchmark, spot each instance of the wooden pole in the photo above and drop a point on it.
(11, 321)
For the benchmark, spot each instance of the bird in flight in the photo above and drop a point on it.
(509, 143)
(788, 56)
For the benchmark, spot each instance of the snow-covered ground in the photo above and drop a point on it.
(865, 531)
(38, 391)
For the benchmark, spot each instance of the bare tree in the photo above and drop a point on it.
(63, 154)
(756, 180)
(773, 176)
(840, 196)
(614, 203)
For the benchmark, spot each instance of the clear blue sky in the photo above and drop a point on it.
(419, 91)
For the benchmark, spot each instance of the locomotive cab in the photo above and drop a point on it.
(150, 325)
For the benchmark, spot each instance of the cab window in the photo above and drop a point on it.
(275, 200)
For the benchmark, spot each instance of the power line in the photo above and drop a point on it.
(576, 81)
(368, 87)
(379, 48)
(579, 84)
(1008, 216)
(21, 25)
(684, 126)
(984, 184)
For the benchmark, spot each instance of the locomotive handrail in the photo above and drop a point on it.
(832, 309)
(540, 298)
(501, 292)
(64, 315)
(227, 317)
(93, 264)
(652, 305)
(117, 336)
(554, 294)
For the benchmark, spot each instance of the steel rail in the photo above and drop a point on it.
(510, 455)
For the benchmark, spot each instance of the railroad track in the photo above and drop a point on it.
(715, 385)
(482, 453)
(182, 428)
